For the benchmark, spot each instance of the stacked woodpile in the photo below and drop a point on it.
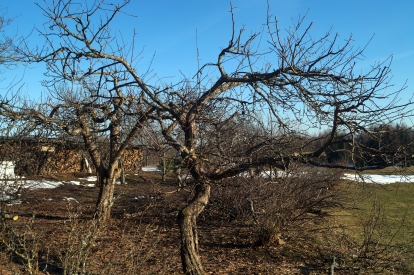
(39, 162)
(71, 161)
(133, 159)
(30, 162)
(63, 161)
(34, 157)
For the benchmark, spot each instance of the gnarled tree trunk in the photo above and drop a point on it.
(107, 177)
(188, 228)
(105, 199)
(106, 180)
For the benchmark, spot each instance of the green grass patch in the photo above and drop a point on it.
(396, 200)
(380, 219)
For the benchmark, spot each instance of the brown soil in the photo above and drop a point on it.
(143, 235)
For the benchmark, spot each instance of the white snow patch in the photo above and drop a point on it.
(143, 197)
(75, 182)
(7, 170)
(380, 179)
(13, 202)
(268, 174)
(31, 184)
(35, 184)
(10, 190)
(70, 199)
(150, 169)
(7, 197)
(139, 197)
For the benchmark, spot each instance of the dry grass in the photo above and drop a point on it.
(143, 236)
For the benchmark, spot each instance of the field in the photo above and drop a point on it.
(54, 231)
(384, 214)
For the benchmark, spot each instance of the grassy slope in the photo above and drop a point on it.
(385, 210)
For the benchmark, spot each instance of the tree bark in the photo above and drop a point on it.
(105, 198)
(122, 168)
(187, 219)
(107, 177)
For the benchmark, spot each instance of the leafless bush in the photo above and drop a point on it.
(85, 246)
(81, 237)
(372, 246)
(26, 247)
(135, 247)
(88, 238)
(294, 203)
(378, 249)
(22, 247)
(229, 199)
(280, 206)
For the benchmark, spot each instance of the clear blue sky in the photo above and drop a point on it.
(168, 28)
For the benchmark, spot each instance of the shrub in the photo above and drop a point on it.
(278, 207)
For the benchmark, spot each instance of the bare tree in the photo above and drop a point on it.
(98, 121)
(293, 84)
(296, 84)
(88, 95)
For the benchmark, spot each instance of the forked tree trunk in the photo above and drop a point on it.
(105, 198)
(188, 228)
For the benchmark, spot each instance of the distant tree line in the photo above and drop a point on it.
(388, 146)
